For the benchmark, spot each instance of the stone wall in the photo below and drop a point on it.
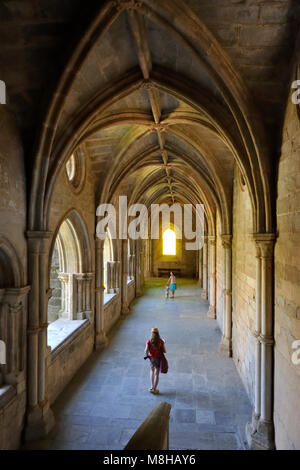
(112, 310)
(287, 291)
(12, 234)
(219, 273)
(243, 286)
(66, 360)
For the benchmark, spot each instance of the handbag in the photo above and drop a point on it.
(164, 366)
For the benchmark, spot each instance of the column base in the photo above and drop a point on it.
(138, 293)
(40, 421)
(225, 347)
(101, 341)
(204, 295)
(125, 309)
(260, 434)
(212, 312)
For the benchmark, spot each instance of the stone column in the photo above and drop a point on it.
(101, 340)
(212, 287)
(40, 418)
(125, 306)
(65, 294)
(88, 307)
(132, 269)
(138, 291)
(117, 275)
(13, 332)
(204, 294)
(260, 432)
(225, 346)
(200, 267)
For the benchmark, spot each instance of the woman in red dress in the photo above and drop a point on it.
(155, 347)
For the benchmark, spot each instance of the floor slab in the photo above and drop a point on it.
(108, 399)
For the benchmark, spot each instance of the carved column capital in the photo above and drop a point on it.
(38, 240)
(226, 241)
(212, 239)
(265, 244)
(14, 296)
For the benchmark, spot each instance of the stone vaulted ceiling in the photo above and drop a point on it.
(164, 96)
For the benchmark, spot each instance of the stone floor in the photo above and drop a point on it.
(108, 399)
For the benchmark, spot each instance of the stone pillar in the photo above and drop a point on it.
(110, 277)
(200, 267)
(13, 332)
(39, 419)
(117, 275)
(101, 340)
(204, 294)
(125, 305)
(225, 346)
(212, 287)
(88, 307)
(260, 432)
(138, 273)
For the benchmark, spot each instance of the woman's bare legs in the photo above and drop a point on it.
(156, 378)
(152, 377)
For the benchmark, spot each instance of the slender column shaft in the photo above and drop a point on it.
(205, 269)
(226, 342)
(39, 416)
(100, 337)
(267, 335)
(212, 286)
(200, 268)
(260, 432)
(125, 306)
(257, 403)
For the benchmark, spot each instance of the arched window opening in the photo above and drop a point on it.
(70, 287)
(169, 242)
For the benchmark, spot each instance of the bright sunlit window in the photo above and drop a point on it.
(169, 242)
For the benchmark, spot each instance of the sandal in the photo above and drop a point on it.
(150, 389)
(155, 391)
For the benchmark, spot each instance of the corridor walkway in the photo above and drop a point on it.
(108, 399)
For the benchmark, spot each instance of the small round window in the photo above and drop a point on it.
(75, 169)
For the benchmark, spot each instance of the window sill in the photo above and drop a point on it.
(61, 331)
(130, 281)
(7, 392)
(108, 298)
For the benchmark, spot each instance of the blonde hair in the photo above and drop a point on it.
(154, 337)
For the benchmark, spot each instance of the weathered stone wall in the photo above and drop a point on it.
(243, 286)
(112, 312)
(287, 291)
(131, 292)
(12, 188)
(12, 420)
(12, 231)
(219, 273)
(65, 362)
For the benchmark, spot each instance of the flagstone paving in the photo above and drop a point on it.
(108, 399)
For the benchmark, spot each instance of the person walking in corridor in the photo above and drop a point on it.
(155, 347)
(172, 282)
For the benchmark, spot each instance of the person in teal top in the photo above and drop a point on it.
(172, 281)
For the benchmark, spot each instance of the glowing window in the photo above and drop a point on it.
(71, 167)
(169, 242)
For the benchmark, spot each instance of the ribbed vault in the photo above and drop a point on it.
(161, 112)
